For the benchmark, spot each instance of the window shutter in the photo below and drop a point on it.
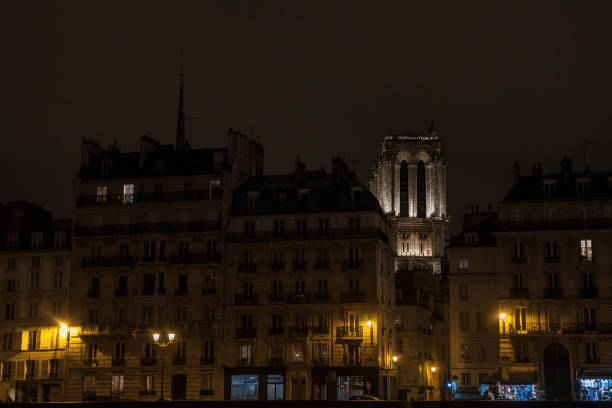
(44, 369)
(20, 370)
(13, 368)
(38, 340)
(17, 341)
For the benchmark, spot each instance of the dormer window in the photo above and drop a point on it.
(252, 197)
(107, 164)
(60, 239)
(303, 199)
(101, 194)
(128, 193)
(12, 240)
(356, 197)
(583, 187)
(471, 238)
(37, 240)
(282, 197)
(16, 214)
(160, 167)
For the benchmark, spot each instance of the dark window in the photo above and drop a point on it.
(421, 196)
(404, 207)
(148, 283)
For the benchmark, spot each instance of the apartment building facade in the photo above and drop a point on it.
(35, 271)
(148, 258)
(553, 284)
(309, 311)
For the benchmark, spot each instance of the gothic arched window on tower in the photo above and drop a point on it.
(404, 190)
(421, 197)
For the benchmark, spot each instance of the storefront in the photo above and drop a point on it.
(517, 392)
(253, 385)
(512, 386)
(595, 385)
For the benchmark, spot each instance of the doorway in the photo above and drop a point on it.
(557, 379)
(179, 386)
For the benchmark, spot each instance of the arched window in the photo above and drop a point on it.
(404, 190)
(421, 196)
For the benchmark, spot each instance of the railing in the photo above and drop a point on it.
(518, 260)
(586, 259)
(567, 328)
(146, 392)
(90, 362)
(143, 228)
(277, 266)
(519, 293)
(321, 264)
(352, 264)
(247, 300)
(246, 332)
(205, 258)
(298, 266)
(90, 327)
(180, 291)
(298, 298)
(352, 297)
(245, 362)
(351, 361)
(321, 297)
(118, 361)
(148, 361)
(588, 293)
(207, 360)
(275, 331)
(344, 332)
(121, 292)
(560, 224)
(320, 330)
(334, 233)
(250, 267)
(179, 360)
(209, 291)
(552, 259)
(320, 362)
(298, 331)
(137, 198)
(276, 298)
(553, 293)
(107, 261)
(206, 393)
(93, 293)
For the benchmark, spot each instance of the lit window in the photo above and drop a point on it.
(117, 385)
(101, 194)
(298, 352)
(128, 193)
(464, 264)
(12, 240)
(586, 250)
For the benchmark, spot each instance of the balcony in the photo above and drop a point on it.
(166, 196)
(351, 361)
(349, 333)
(518, 260)
(298, 266)
(586, 259)
(298, 298)
(352, 297)
(246, 333)
(148, 361)
(118, 361)
(588, 293)
(185, 259)
(275, 362)
(107, 261)
(204, 393)
(152, 227)
(277, 266)
(121, 292)
(321, 265)
(552, 259)
(276, 298)
(245, 362)
(209, 291)
(553, 293)
(90, 362)
(247, 300)
(320, 330)
(276, 331)
(143, 393)
(320, 362)
(90, 328)
(321, 297)
(249, 267)
(180, 292)
(179, 360)
(334, 233)
(207, 360)
(352, 264)
(298, 331)
(519, 293)
(147, 291)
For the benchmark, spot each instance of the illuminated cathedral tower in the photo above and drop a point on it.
(409, 180)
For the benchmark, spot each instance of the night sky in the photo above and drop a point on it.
(504, 81)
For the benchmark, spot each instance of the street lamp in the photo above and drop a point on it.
(502, 316)
(162, 345)
(394, 358)
(433, 369)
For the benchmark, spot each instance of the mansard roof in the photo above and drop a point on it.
(530, 188)
(163, 161)
(326, 193)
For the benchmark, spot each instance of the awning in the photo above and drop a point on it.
(595, 373)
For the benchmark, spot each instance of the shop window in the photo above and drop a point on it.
(350, 386)
(275, 387)
(244, 387)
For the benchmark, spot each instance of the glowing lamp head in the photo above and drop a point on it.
(433, 369)
(369, 323)
(449, 385)
(155, 336)
(502, 315)
(394, 358)
(171, 336)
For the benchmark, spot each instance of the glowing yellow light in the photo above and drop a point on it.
(171, 336)
(63, 329)
(394, 358)
(73, 331)
(369, 323)
(502, 315)
(155, 336)
(433, 369)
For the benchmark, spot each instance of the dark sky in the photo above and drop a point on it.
(524, 80)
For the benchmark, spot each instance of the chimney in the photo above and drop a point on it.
(89, 148)
(300, 171)
(566, 170)
(340, 170)
(517, 173)
(147, 145)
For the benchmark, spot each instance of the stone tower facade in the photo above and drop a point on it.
(409, 180)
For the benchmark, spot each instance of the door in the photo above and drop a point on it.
(298, 389)
(557, 382)
(179, 386)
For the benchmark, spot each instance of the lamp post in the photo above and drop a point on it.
(162, 345)
(433, 382)
(502, 316)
